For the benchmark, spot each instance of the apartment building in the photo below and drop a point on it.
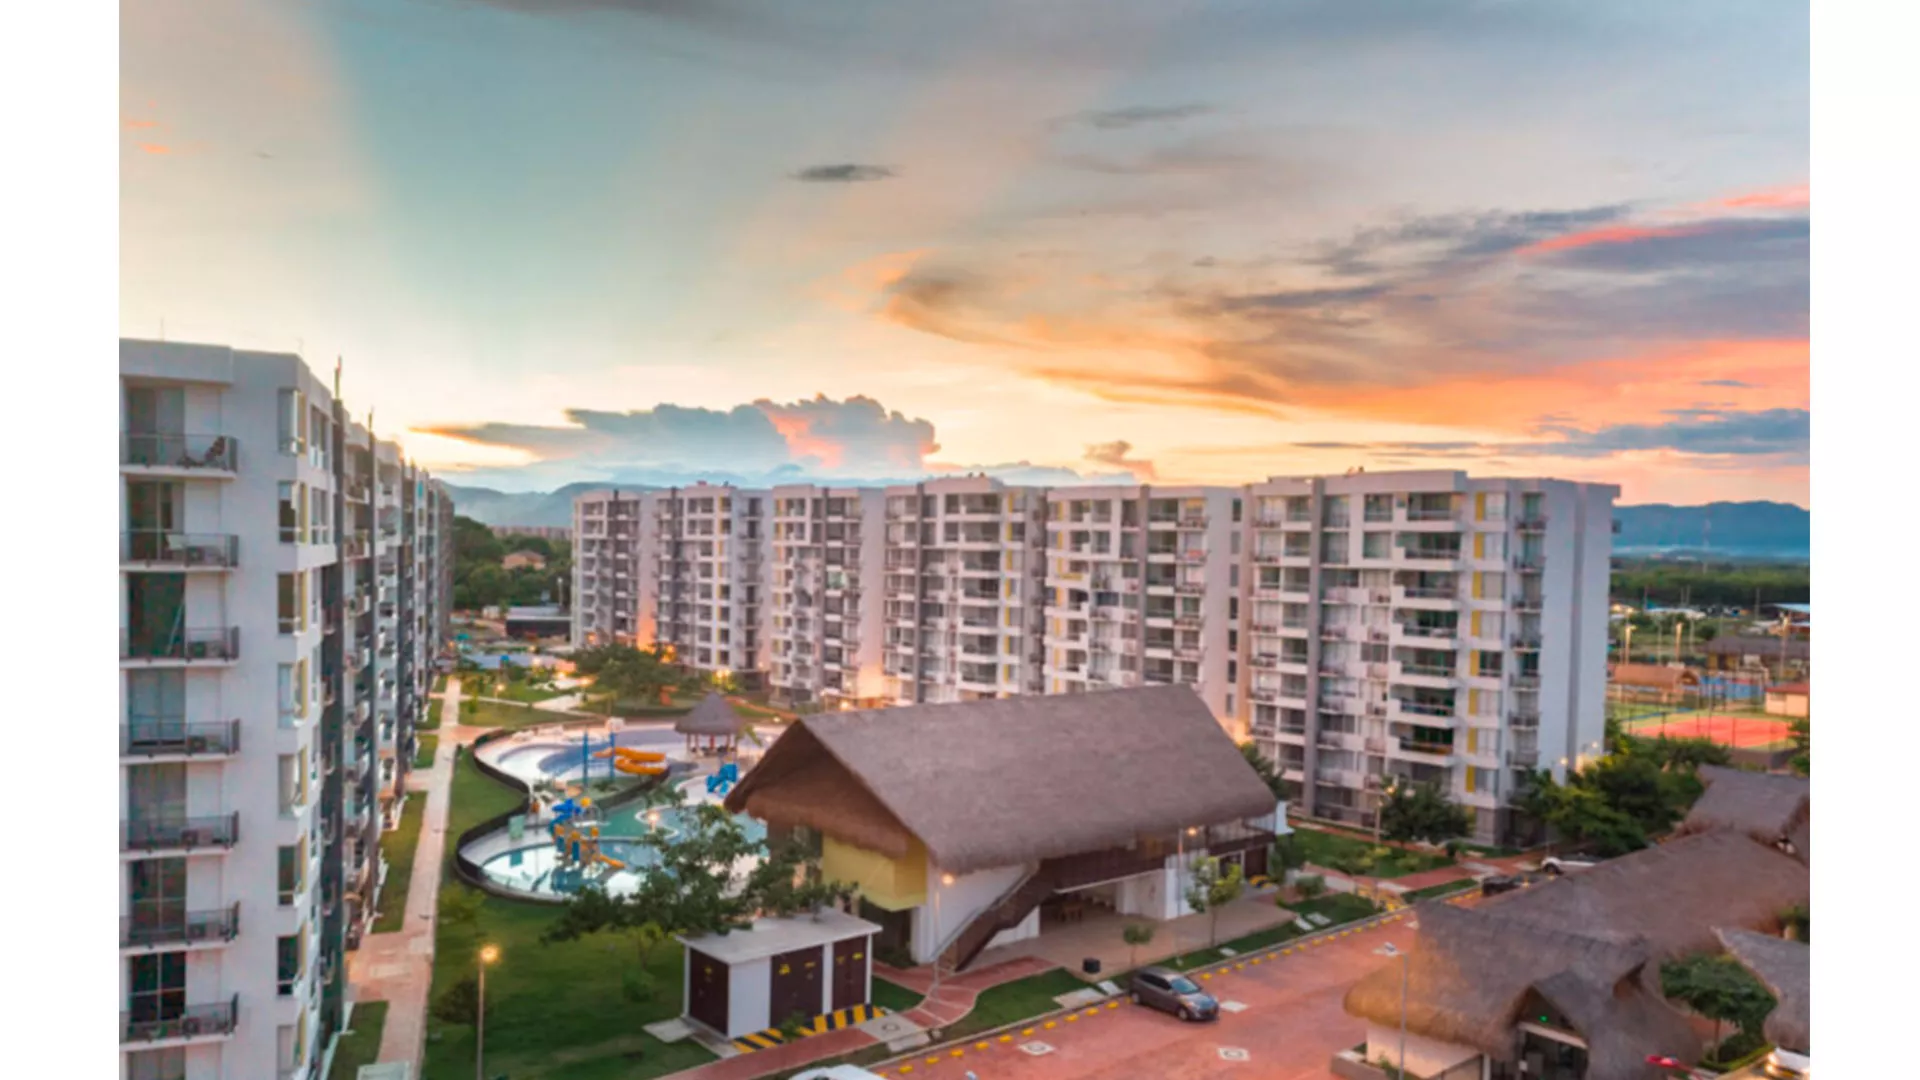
(826, 592)
(1425, 627)
(251, 666)
(1142, 589)
(964, 582)
(710, 596)
(614, 572)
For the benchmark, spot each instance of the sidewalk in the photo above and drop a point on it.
(397, 967)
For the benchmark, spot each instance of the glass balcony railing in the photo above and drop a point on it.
(219, 644)
(220, 453)
(155, 929)
(163, 736)
(165, 548)
(167, 833)
(159, 1020)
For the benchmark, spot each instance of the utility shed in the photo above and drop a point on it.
(801, 965)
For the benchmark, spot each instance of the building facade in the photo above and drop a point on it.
(1366, 630)
(267, 702)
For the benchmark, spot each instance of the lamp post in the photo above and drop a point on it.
(1389, 950)
(488, 954)
(938, 941)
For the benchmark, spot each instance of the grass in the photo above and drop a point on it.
(398, 848)
(360, 1043)
(494, 714)
(1015, 1001)
(893, 997)
(1331, 849)
(554, 1012)
(1445, 888)
(423, 754)
(1337, 907)
(439, 684)
(433, 716)
(524, 692)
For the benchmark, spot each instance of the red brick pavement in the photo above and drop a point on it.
(1294, 1022)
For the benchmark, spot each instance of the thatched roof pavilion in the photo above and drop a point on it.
(1007, 781)
(1786, 967)
(1589, 945)
(1771, 808)
(713, 723)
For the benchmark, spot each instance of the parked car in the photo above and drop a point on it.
(1496, 884)
(1171, 992)
(1787, 1065)
(1559, 867)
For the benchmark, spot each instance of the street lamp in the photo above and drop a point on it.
(1389, 950)
(938, 940)
(488, 954)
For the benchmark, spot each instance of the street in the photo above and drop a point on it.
(1291, 1024)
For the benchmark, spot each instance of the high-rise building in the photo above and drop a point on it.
(710, 569)
(268, 704)
(826, 596)
(963, 572)
(1425, 627)
(614, 571)
(1142, 590)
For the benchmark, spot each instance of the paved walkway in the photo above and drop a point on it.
(958, 993)
(397, 967)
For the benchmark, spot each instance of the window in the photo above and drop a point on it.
(168, 1064)
(319, 516)
(292, 961)
(289, 512)
(293, 422)
(290, 602)
(156, 702)
(157, 894)
(293, 872)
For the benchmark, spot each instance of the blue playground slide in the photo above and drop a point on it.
(722, 782)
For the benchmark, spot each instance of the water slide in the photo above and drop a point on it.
(721, 782)
(639, 762)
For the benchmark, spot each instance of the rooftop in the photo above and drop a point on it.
(770, 937)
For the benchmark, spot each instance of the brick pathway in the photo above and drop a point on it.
(957, 993)
(397, 967)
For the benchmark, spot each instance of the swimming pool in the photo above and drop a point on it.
(531, 864)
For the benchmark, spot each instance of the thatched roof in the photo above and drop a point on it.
(1654, 676)
(1672, 894)
(713, 716)
(1786, 969)
(1766, 806)
(1472, 972)
(1590, 944)
(1013, 780)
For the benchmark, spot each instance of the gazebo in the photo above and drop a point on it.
(712, 727)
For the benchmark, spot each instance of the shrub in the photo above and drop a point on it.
(460, 1004)
(1310, 886)
(792, 1026)
(638, 986)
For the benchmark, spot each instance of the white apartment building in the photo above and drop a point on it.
(710, 569)
(964, 583)
(248, 812)
(615, 575)
(1141, 588)
(826, 591)
(1425, 627)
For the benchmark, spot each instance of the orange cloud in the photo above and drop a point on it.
(1611, 234)
(155, 148)
(1785, 197)
(135, 125)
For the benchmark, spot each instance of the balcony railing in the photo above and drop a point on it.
(222, 832)
(1416, 746)
(213, 452)
(1523, 759)
(1528, 603)
(1532, 524)
(1422, 708)
(162, 737)
(1532, 560)
(164, 548)
(210, 644)
(1526, 681)
(191, 1022)
(1530, 642)
(1432, 671)
(157, 929)
(1427, 513)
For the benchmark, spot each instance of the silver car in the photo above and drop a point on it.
(1171, 992)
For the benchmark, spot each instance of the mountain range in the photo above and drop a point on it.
(1743, 530)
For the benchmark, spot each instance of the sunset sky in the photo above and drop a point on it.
(560, 240)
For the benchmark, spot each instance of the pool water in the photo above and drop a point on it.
(536, 868)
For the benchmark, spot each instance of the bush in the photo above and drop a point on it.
(791, 1027)
(460, 1004)
(1310, 886)
(638, 986)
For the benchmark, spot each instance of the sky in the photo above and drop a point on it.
(1158, 240)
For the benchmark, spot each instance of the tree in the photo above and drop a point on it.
(460, 1004)
(1286, 854)
(1720, 989)
(1213, 888)
(1794, 922)
(1136, 935)
(1797, 733)
(1264, 767)
(1423, 812)
(1705, 632)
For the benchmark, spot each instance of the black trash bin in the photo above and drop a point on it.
(1091, 965)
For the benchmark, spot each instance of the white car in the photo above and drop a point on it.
(1559, 867)
(1787, 1065)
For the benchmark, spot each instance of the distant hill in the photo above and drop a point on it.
(1751, 530)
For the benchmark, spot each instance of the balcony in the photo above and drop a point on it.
(1427, 749)
(1534, 523)
(1401, 707)
(1529, 604)
(1526, 680)
(1429, 513)
(188, 1024)
(160, 549)
(1530, 560)
(209, 645)
(182, 834)
(1449, 556)
(155, 738)
(192, 455)
(1527, 642)
(167, 929)
(1523, 759)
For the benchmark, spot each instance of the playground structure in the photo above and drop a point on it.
(576, 835)
(722, 782)
(635, 762)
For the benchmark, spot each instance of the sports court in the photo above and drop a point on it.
(1744, 731)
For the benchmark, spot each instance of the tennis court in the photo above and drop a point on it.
(1741, 731)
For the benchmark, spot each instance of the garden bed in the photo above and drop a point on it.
(397, 848)
(360, 1043)
(1333, 850)
(423, 751)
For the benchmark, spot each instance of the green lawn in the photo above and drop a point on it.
(554, 1012)
(519, 691)
(423, 754)
(493, 714)
(398, 847)
(433, 715)
(1337, 907)
(1015, 1001)
(1329, 849)
(1443, 889)
(439, 684)
(360, 1043)
(892, 996)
